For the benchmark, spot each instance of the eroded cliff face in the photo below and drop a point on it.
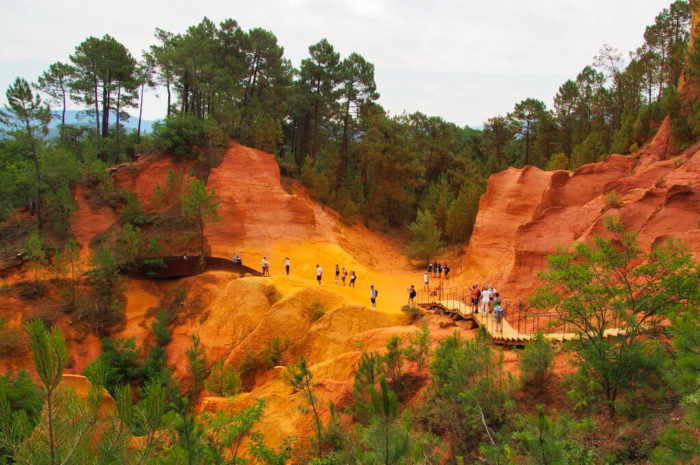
(525, 213)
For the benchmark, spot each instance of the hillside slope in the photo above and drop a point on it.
(525, 213)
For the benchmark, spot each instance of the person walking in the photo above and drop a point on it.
(344, 275)
(337, 273)
(411, 295)
(426, 285)
(373, 297)
(439, 270)
(498, 314)
(353, 277)
(476, 293)
(265, 267)
(447, 270)
(319, 274)
(485, 301)
(430, 267)
(286, 265)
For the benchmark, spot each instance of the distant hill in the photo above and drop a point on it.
(79, 118)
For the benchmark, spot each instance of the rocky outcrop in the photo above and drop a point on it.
(525, 213)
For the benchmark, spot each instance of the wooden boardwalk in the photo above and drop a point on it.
(506, 335)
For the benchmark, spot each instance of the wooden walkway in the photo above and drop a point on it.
(506, 335)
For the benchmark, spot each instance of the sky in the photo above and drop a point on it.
(465, 61)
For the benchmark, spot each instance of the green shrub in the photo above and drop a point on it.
(179, 134)
(412, 311)
(272, 354)
(612, 199)
(536, 362)
(558, 161)
(9, 339)
(223, 380)
(133, 210)
(272, 294)
(317, 311)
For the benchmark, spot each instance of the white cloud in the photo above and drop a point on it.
(463, 60)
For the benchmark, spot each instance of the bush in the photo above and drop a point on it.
(272, 294)
(272, 354)
(612, 199)
(411, 311)
(536, 362)
(317, 311)
(9, 339)
(133, 210)
(223, 380)
(425, 238)
(179, 134)
(558, 161)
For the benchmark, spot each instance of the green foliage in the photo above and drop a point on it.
(272, 294)
(129, 246)
(588, 151)
(226, 431)
(179, 134)
(613, 285)
(20, 409)
(36, 254)
(160, 328)
(612, 199)
(197, 366)
(425, 238)
(272, 354)
(121, 363)
(544, 441)
(419, 346)
(223, 380)
(536, 362)
(317, 310)
(393, 362)
(559, 161)
(133, 212)
(461, 215)
(200, 207)
(411, 311)
(299, 377)
(470, 395)
(9, 339)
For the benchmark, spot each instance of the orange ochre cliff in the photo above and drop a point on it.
(524, 214)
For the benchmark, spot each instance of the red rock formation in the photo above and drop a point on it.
(255, 210)
(525, 213)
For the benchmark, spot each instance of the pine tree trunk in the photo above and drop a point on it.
(105, 108)
(35, 159)
(97, 110)
(138, 130)
(116, 137)
(343, 147)
(315, 147)
(372, 196)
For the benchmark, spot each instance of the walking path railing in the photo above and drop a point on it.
(519, 322)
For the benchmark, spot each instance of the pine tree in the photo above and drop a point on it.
(425, 238)
(26, 111)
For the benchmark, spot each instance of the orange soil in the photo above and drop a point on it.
(522, 215)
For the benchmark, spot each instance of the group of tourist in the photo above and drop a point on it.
(340, 275)
(436, 270)
(487, 300)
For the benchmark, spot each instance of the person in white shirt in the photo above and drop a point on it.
(286, 264)
(319, 274)
(485, 301)
(265, 267)
(426, 285)
(373, 297)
